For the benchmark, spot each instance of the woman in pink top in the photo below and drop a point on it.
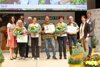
(11, 40)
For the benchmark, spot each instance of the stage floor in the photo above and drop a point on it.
(42, 62)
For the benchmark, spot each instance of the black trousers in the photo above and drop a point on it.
(62, 45)
(35, 47)
(16, 50)
(21, 47)
(27, 50)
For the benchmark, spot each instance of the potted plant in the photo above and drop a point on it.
(94, 43)
(77, 57)
(92, 61)
(1, 58)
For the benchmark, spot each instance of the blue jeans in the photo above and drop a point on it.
(62, 45)
(90, 45)
(72, 39)
(51, 42)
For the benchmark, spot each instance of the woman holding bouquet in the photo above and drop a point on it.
(11, 40)
(61, 37)
(21, 33)
(34, 28)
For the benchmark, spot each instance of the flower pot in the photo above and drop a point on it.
(0, 64)
(76, 65)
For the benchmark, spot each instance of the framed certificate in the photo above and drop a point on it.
(49, 28)
(71, 29)
(22, 38)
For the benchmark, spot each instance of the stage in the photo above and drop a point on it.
(42, 62)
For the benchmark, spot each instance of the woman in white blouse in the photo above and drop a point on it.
(35, 39)
(84, 32)
(11, 40)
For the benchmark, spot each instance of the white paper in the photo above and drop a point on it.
(71, 29)
(49, 28)
(22, 38)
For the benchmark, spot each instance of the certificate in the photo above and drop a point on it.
(49, 28)
(22, 38)
(71, 29)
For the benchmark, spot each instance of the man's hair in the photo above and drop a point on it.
(89, 12)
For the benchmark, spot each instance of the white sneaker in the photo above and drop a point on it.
(32, 58)
(38, 58)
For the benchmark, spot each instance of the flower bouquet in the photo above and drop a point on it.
(34, 28)
(18, 31)
(92, 61)
(60, 28)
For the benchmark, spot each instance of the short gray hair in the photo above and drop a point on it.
(29, 17)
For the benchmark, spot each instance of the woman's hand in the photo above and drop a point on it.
(9, 38)
(86, 38)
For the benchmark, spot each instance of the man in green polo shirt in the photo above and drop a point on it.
(48, 36)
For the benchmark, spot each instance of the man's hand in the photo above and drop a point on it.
(42, 32)
(60, 33)
(52, 33)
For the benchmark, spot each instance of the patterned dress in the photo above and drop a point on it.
(12, 42)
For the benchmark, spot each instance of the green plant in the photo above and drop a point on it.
(1, 56)
(76, 61)
(77, 55)
(78, 49)
(94, 42)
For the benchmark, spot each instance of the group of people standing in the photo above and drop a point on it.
(47, 32)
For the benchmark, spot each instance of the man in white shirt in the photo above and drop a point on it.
(72, 35)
